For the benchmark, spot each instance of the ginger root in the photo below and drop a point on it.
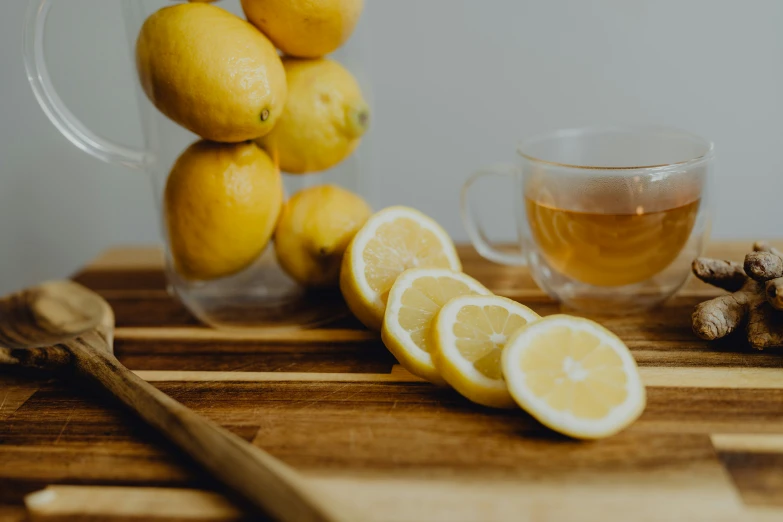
(755, 301)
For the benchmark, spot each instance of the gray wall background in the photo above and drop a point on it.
(455, 84)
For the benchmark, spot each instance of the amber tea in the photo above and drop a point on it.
(610, 249)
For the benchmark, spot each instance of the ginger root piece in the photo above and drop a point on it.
(774, 288)
(727, 275)
(763, 266)
(755, 301)
(774, 283)
(719, 317)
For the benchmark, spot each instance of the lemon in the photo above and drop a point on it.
(392, 241)
(468, 337)
(211, 72)
(324, 118)
(414, 299)
(221, 204)
(314, 230)
(305, 28)
(574, 376)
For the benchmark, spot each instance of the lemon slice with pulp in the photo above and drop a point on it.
(390, 242)
(574, 376)
(468, 337)
(414, 299)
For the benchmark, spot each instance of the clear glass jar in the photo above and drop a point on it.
(261, 295)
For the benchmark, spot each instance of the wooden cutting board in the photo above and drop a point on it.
(333, 403)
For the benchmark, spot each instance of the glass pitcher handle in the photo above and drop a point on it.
(54, 108)
(476, 232)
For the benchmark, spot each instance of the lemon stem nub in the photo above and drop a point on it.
(265, 115)
(358, 118)
(364, 118)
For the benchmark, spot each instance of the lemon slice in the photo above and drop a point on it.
(390, 242)
(468, 336)
(414, 299)
(574, 376)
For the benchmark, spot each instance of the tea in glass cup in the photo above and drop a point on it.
(609, 219)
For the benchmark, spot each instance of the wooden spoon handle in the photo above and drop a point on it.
(266, 482)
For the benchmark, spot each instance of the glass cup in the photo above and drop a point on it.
(261, 295)
(608, 218)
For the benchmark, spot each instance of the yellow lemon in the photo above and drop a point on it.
(211, 72)
(314, 230)
(469, 334)
(323, 120)
(414, 299)
(305, 28)
(574, 376)
(392, 241)
(221, 205)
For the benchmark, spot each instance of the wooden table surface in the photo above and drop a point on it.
(333, 403)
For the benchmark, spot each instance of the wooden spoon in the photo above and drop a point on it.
(61, 324)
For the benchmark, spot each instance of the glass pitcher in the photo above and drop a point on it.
(261, 295)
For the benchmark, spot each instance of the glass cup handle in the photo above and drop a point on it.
(62, 118)
(472, 224)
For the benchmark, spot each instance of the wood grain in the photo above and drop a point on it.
(106, 502)
(722, 378)
(209, 376)
(333, 404)
(354, 357)
(748, 442)
(14, 391)
(756, 477)
(591, 497)
(277, 336)
(261, 479)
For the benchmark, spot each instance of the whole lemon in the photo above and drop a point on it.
(323, 120)
(222, 202)
(314, 230)
(211, 72)
(305, 28)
